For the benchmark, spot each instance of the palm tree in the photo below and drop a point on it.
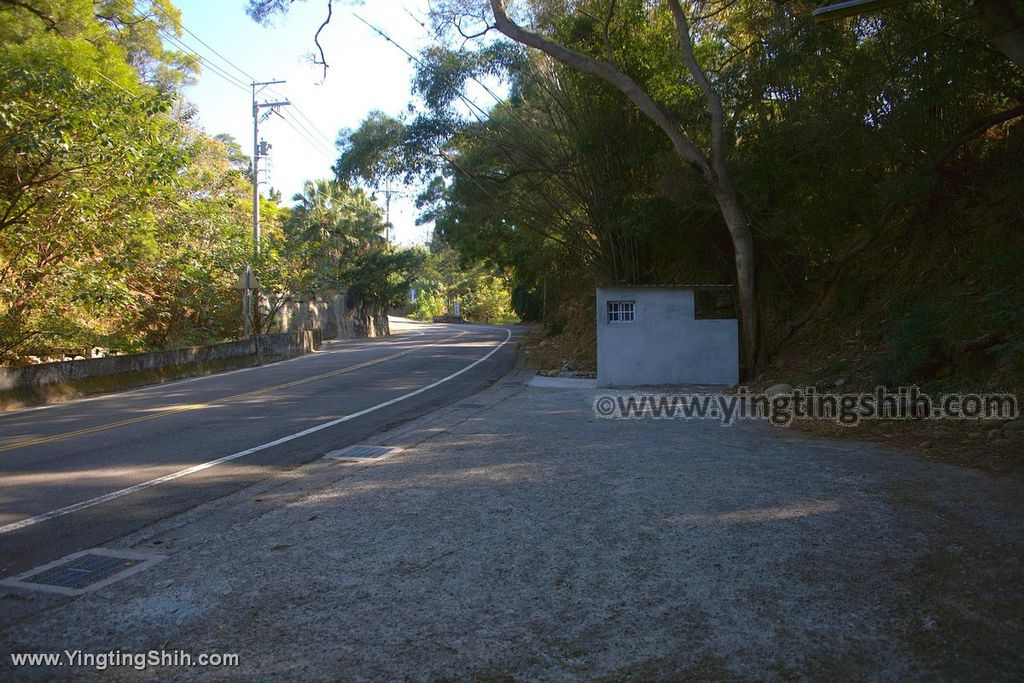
(340, 224)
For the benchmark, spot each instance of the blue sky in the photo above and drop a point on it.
(366, 73)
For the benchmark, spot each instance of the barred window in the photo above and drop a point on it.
(621, 311)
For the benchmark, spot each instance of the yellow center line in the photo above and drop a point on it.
(210, 404)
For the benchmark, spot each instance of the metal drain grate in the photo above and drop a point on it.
(472, 406)
(361, 452)
(512, 383)
(83, 572)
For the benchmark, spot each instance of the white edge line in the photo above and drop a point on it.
(14, 526)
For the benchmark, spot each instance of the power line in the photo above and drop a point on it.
(314, 127)
(136, 96)
(319, 133)
(203, 42)
(305, 138)
(213, 68)
(309, 136)
(309, 130)
(177, 42)
(459, 92)
(304, 122)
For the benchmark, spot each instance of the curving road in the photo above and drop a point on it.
(78, 474)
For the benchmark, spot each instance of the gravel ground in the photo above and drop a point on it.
(529, 540)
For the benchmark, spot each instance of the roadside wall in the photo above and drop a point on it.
(47, 382)
(339, 317)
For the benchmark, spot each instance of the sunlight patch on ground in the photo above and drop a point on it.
(755, 515)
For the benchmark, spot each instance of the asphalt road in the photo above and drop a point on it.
(78, 474)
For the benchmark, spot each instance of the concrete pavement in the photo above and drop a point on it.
(517, 537)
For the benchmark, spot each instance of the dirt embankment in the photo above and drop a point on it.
(936, 302)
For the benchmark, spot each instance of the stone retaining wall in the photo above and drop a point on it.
(340, 316)
(46, 382)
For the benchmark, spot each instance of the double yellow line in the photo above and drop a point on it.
(219, 401)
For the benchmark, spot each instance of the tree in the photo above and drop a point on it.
(445, 276)
(339, 225)
(841, 140)
(338, 231)
(373, 154)
(1004, 26)
(709, 160)
(120, 224)
(79, 153)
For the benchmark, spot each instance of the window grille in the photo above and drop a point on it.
(621, 311)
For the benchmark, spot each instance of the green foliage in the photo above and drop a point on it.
(383, 277)
(80, 155)
(120, 226)
(839, 135)
(915, 344)
(336, 238)
(444, 277)
(528, 304)
(428, 305)
(373, 154)
(976, 327)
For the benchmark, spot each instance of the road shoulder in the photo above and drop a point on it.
(516, 534)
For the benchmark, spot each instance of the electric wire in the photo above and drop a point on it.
(178, 42)
(303, 125)
(313, 126)
(305, 137)
(311, 137)
(211, 67)
(203, 42)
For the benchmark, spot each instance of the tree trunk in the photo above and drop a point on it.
(713, 168)
(1003, 27)
(743, 249)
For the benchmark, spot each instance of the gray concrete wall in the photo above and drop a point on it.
(665, 344)
(336, 318)
(32, 384)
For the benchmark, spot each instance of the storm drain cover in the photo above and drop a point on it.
(511, 383)
(83, 571)
(472, 406)
(361, 452)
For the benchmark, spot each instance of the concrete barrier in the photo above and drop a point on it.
(51, 382)
(340, 316)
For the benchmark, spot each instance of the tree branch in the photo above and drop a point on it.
(611, 75)
(48, 19)
(975, 129)
(972, 132)
(710, 94)
(316, 38)
(607, 38)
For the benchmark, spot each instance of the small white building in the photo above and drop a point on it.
(686, 334)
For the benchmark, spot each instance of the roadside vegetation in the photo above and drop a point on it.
(875, 161)
(123, 226)
(443, 278)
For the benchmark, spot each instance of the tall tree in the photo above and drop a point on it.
(709, 159)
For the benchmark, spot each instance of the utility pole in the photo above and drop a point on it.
(259, 150)
(387, 213)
